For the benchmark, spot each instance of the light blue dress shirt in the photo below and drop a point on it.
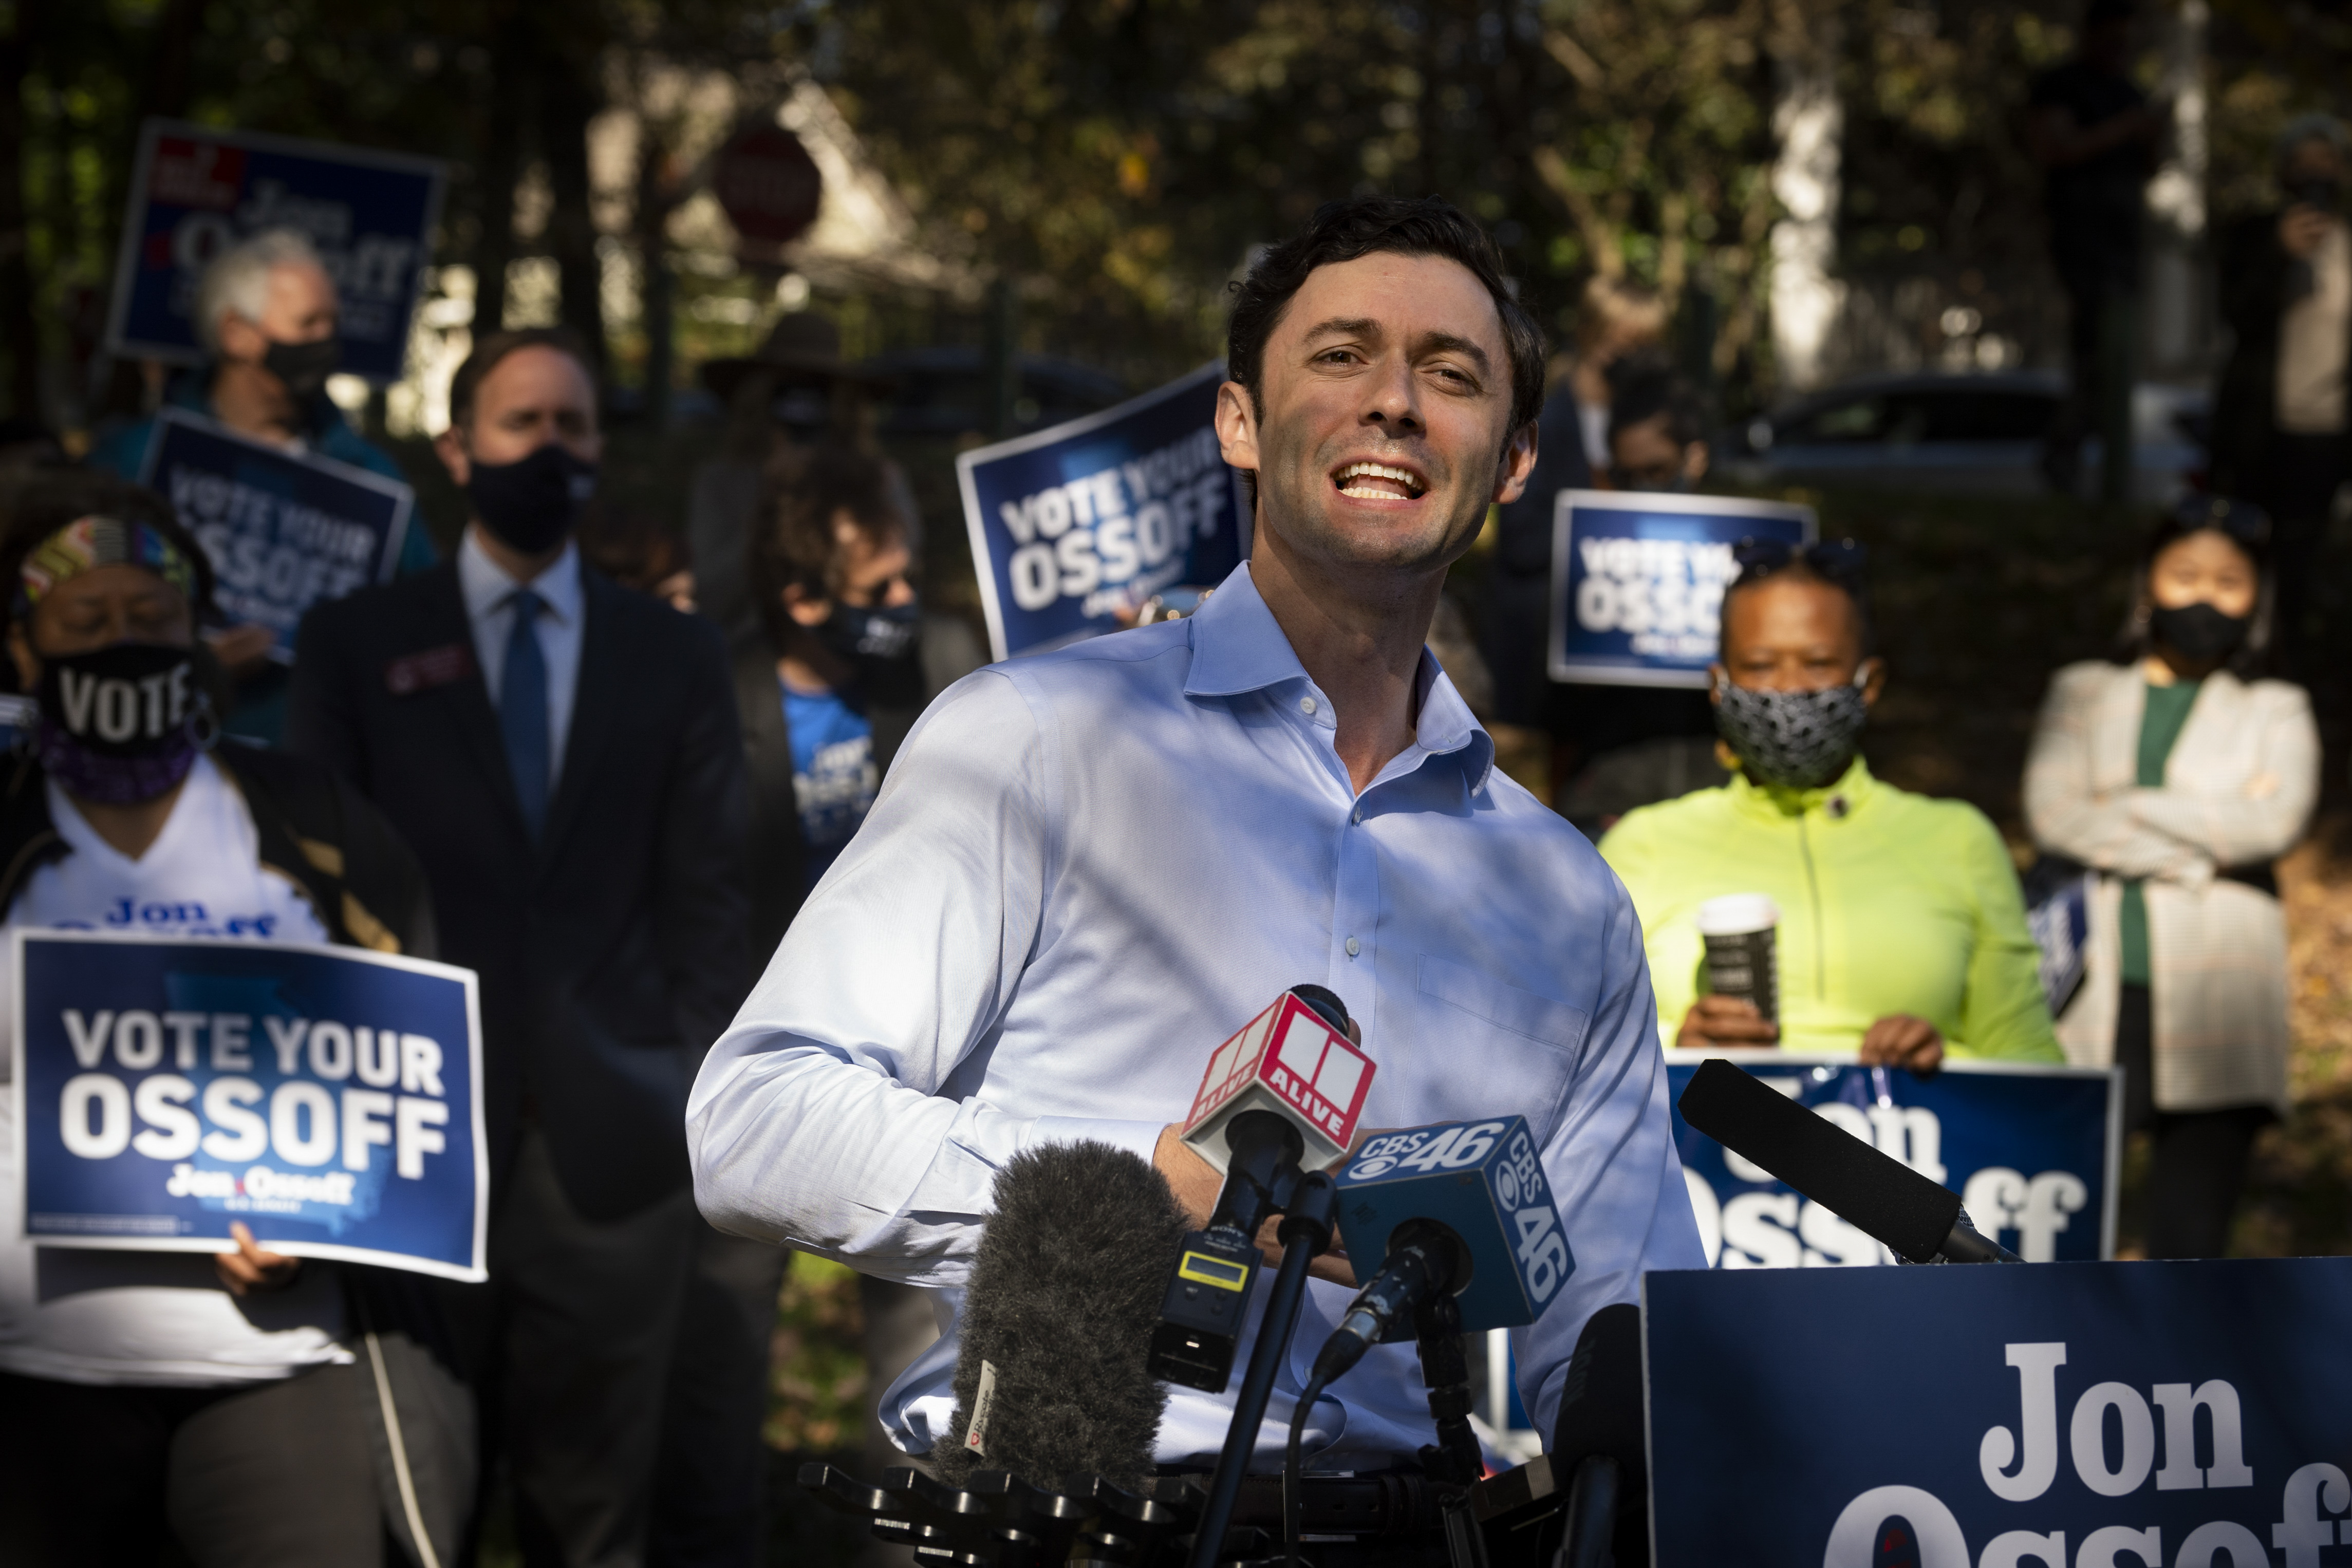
(1086, 871)
(489, 593)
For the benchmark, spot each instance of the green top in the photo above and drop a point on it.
(2160, 726)
(1890, 902)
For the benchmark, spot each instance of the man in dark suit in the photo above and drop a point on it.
(563, 756)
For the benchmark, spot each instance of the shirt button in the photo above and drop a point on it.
(1354, 947)
(1307, 705)
(1356, 815)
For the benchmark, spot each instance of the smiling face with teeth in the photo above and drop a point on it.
(1382, 431)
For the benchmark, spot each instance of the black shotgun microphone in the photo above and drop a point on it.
(1050, 1378)
(1879, 1195)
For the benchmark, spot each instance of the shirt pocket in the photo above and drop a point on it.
(1522, 1013)
(1508, 1052)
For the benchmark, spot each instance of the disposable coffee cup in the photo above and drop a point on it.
(1741, 956)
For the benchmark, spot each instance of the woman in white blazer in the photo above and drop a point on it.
(2177, 776)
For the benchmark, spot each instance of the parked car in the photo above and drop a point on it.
(1983, 433)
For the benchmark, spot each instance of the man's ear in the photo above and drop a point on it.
(240, 339)
(1238, 426)
(451, 450)
(1519, 463)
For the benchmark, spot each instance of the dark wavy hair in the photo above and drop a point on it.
(2244, 524)
(794, 546)
(1366, 225)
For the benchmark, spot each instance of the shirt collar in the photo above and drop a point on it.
(1838, 799)
(486, 586)
(1238, 646)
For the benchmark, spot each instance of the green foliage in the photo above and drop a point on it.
(817, 1378)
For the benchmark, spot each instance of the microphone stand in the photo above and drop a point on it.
(1309, 1210)
(1455, 1462)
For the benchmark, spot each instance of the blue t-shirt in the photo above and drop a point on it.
(833, 777)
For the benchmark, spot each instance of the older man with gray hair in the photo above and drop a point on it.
(2280, 430)
(267, 312)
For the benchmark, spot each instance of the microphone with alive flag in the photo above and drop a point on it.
(1921, 1221)
(1051, 1380)
(1281, 1095)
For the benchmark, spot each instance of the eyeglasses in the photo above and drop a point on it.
(1838, 560)
(2242, 520)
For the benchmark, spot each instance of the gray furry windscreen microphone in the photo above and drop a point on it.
(1066, 1287)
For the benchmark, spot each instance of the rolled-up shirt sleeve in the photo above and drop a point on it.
(822, 1118)
(1623, 1203)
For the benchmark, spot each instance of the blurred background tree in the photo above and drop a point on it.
(1115, 161)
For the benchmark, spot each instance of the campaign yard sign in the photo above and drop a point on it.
(2031, 1150)
(2070, 1416)
(1637, 580)
(285, 531)
(329, 1098)
(195, 190)
(1069, 525)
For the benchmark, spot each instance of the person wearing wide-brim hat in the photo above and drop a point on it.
(803, 349)
(801, 363)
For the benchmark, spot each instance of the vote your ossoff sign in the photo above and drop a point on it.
(1638, 581)
(328, 1097)
(1073, 524)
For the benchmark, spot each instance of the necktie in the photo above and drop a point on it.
(523, 710)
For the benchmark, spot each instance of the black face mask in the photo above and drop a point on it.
(2198, 632)
(884, 644)
(303, 368)
(530, 505)
(122, 724)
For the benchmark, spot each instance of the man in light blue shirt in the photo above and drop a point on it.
(1087, 868)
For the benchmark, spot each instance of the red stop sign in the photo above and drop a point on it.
(767, 184)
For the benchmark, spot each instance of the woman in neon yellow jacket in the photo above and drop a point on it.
(1902, 932)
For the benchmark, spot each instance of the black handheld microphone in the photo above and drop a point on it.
(1460, 1209)
(1424, 1260)
(1599, 1444)
(1051, 1377)
(1879, 1195)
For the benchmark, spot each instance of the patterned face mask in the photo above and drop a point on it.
(1791, 739)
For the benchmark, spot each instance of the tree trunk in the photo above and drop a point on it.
(19, 329)
(653, 205)
(1809, 123)
(511, 89)
(567, 100)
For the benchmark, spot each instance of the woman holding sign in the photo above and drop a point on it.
(1881, 923)
(2177, 776)
(148, 1397)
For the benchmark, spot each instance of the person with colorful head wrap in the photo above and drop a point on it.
(147, 1399)
(1902, 932)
